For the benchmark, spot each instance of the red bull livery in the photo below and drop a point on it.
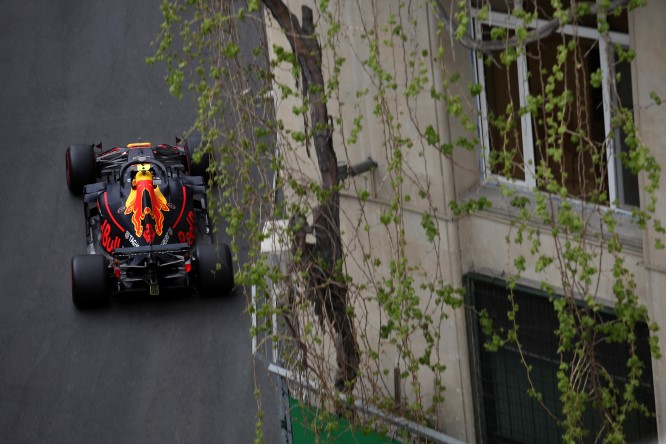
(147, 224)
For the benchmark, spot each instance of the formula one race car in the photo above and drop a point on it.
(146, 219)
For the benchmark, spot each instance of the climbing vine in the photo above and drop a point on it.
(367, 299)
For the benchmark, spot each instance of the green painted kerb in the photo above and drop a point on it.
(311, 426)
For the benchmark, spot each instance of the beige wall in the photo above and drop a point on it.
(472, 243)
(424, 169)
(648, 35)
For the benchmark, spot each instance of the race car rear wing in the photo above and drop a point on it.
(169, 248)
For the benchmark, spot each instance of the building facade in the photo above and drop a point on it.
(402, 96)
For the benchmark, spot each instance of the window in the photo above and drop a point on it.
(505, 412)
(518, 136)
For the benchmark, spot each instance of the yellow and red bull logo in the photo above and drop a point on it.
(143, 183)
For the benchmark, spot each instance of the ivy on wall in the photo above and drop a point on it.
(373, 307)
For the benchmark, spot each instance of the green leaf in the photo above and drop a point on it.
(253, 5)
(429, 226)
(475, 89)
(431, 136)
(656, 98)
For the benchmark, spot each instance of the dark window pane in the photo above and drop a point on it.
(544, 8)
(627, 182)
(503, 100)
(509, 414)
(582, 167)
(495, 5)
(619, 23)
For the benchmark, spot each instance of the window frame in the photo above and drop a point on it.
(605, 43)
(483, 405)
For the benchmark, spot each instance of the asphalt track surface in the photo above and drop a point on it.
(148, 371)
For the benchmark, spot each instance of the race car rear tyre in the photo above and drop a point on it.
(80, 164)
(192, 144)
(89, 274)
(212, 281)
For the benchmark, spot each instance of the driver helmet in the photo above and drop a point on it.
(144, 171)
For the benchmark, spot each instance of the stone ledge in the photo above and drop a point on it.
(630, 234)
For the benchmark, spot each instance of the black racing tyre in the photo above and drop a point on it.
(89, 274)
(80, 164)
(212, 282)
(192, 144)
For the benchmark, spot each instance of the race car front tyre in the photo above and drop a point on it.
(193, 144)
(80, 164)
(211, 280)
(89, 274)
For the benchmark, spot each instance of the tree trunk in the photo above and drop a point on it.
(326, 281)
